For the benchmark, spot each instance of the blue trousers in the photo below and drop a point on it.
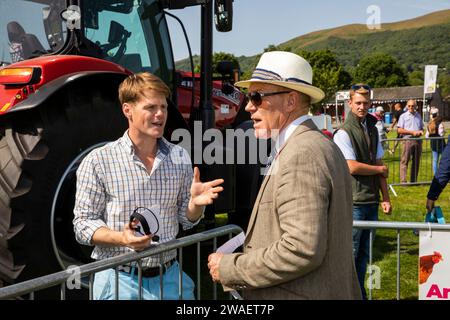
(361, 240)
(436, 155)
(104, 285)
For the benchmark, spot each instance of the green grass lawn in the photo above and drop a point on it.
(392, 160)
(409, 206)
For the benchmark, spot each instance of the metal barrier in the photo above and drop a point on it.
(395, 226)
(419, 151)
(61, 278)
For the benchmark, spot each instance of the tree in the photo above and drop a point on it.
(444, 83)
(223, 56)
(272, 47)
(415, 78)
(328, 74)
(380, 70)
(217, 57)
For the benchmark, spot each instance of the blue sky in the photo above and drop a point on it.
(259, 23)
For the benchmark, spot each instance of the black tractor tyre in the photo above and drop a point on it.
(36, 148)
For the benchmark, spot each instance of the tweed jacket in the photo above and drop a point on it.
(299, 239)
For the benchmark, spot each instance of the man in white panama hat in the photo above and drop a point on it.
(298, 242)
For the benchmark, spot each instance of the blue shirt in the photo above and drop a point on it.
(409, 121)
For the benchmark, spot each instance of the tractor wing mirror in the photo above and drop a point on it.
(223, 15)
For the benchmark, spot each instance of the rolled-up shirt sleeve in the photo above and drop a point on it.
(90, 201)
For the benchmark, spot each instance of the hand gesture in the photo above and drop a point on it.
(418, 133)
(204, 193)
(387, 207)
(130, 240)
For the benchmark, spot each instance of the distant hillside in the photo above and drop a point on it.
(352, 31)
(185, 64)
(246, 63)
(414, 42)
(412, 48)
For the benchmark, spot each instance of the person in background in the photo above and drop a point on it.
(379, 115)
(359, 142)
(435, 130)
(410, 126)
(398, 111)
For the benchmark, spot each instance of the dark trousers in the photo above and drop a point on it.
(411, 149)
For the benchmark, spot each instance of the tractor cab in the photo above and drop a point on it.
(130, 33)
(31, 29)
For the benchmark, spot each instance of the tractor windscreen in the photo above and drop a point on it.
(132, 33)
(30, 29)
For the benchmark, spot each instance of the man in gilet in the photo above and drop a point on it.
(359, 142)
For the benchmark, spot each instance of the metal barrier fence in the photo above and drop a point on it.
(61, 278)
(371, 225)
(419, 151)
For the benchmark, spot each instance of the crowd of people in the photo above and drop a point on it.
(299, 243)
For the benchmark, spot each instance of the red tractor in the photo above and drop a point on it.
(62, 62)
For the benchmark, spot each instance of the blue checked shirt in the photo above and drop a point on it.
(112, 182)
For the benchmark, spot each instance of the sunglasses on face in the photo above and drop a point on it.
(359, 86)
(256, 97)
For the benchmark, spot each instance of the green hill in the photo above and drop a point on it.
(353, 31)
(412, 48)
(185, 64)
(414, 42)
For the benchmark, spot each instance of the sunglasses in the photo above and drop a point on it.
(256, 97)
(359, 86)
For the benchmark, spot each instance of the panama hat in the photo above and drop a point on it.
(287, 70)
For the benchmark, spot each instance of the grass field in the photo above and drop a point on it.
(408, 206)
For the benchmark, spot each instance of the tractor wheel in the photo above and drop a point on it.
(37, 174)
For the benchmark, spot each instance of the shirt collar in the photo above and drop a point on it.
(163, 145)
(287, 132)
(364, 122)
